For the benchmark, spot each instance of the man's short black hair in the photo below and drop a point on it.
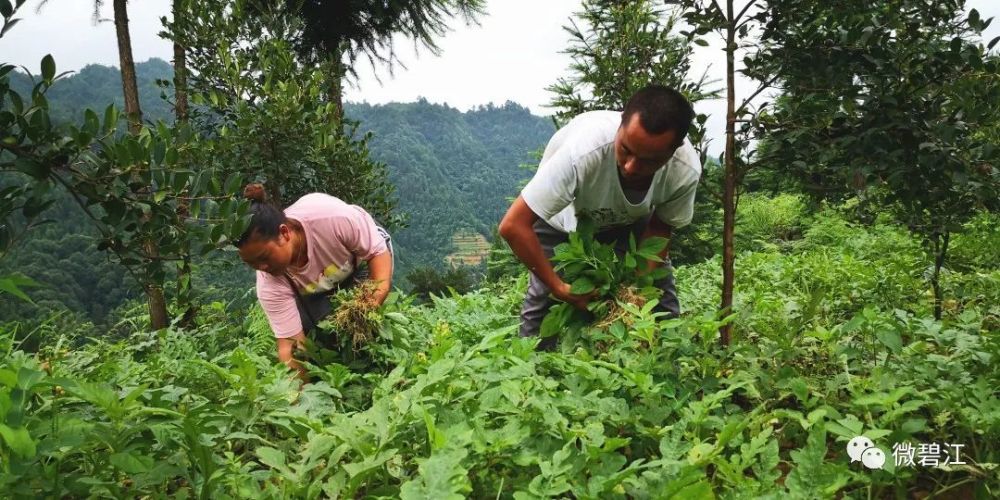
(660, 109)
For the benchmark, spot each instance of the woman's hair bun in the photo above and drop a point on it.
(255, 192)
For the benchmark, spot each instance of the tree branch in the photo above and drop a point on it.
(736, 20)
(764, 86)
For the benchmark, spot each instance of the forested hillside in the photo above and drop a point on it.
(95, 86)
(452, 170)
(73, 277)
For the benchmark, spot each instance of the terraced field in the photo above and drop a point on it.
(471, 249)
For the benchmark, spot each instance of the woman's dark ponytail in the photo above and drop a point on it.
(265, 218)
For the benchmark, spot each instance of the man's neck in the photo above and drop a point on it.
(641, 183)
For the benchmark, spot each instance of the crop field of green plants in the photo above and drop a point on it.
(834, 339)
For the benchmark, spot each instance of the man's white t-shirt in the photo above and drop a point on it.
(578, 174)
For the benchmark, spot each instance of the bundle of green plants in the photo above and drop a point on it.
(621, 283)
(355, 315)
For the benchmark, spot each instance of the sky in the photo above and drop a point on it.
(514, 53)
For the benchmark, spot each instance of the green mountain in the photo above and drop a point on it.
(453, 171)
(95, 86)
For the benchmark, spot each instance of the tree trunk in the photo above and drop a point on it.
(154, 292)
(940, 243)
(336, 92)
(185, 293)
(180, 82)
(129, 87)
(729, 182)
(157, 306)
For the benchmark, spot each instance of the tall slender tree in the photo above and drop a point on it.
(185, 295)
(130, 90)
(127, 64)
(735, 27)
(618, 47)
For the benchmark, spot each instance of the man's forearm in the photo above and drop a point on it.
(524, 242)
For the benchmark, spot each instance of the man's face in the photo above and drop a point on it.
(640, 154)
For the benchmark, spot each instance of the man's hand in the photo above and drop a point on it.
(562, 292)
(517, 228)
(659, 229)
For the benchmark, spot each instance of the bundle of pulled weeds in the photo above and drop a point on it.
(615, 311)
(356, 316)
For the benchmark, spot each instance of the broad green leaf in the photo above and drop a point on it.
(8, 25)
(12, 284)
(813, 476)
(18, 440)
(555, 320)
(110, 118)
(699, 453)
(891, 339)
(582, 286)
(848, 427)
(271, 457)
(353, 469)
(131, 463)
(398, 318)
(702, 490)
(653, 245)
(630, 261)
(7, 378)
(441, 476)
(48, 68)
(317, 447)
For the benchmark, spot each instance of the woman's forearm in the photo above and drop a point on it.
(286, 354)
(380, 271)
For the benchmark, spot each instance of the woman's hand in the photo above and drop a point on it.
(286, 353)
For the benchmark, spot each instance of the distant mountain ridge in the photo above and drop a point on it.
(95, 86)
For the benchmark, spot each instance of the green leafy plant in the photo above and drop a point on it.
(616, 281)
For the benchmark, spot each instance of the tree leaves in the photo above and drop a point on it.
(48, 68)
